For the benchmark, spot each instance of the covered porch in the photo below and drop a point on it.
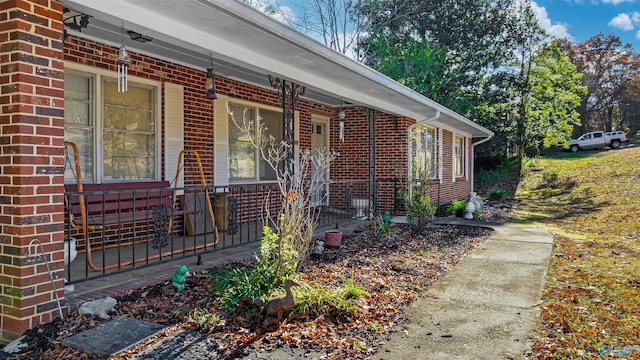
(189, 66)
(139, 236)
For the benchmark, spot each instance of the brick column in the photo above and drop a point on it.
(31, 162)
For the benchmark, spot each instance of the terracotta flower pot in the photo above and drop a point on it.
(333, 238)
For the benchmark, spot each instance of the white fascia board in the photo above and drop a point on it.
(184, 23)
(182, 32)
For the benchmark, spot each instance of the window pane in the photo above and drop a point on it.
(128, 156)
(78, 125)
(138, 97)
(424, 154)
(77, 87)
(242, 154)
(129, 133)
(131, 110)
(458, 157)
(83, 138)
(273, 122)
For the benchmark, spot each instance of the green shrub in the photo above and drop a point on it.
(527, 164)
(277, 256)
(458, 207)
(496, 194)
(277, 261)
(505, 170)
(233, 286)
(420, 211)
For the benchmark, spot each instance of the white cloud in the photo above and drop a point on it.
(557, 30)
(622, 22)
(284, 14)
(616, 2)
(635, 16)
(281, 13)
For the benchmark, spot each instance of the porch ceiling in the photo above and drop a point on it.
(247, 45)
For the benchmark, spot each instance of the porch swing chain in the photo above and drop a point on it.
(67, 160)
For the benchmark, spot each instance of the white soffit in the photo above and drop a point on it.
(244, 39)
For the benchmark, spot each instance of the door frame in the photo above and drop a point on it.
(326, 121)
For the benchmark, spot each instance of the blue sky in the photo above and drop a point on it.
(576, 19)
(581, 19)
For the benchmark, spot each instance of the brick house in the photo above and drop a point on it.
(59, 82)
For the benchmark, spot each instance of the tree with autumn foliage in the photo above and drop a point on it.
(610, 69)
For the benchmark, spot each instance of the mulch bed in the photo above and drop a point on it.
(395, 269)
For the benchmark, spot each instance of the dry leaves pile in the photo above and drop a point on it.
(591, 303)
(394, 269)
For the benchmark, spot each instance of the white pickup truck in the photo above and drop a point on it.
(598, 140)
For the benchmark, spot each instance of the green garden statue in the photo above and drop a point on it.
(178, 278)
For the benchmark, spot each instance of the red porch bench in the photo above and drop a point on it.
(113, 203)
(99, 205)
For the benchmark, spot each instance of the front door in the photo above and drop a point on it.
(319, 142)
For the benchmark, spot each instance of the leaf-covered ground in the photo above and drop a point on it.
(590, 201)
(394, 269)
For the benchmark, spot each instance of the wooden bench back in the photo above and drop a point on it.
(120, 197)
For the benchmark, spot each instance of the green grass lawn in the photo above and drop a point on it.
(590, 201)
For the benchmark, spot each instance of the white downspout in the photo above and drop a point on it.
(409, 130)
(473, 156)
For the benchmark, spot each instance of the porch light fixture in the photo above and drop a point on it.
(290, 90)
(123, 65)
(74, 20)
(136, 36)
(210, 84)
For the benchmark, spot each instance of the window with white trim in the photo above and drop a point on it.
(458, 156)
(245, 161)
(116, 133)
(423, 153)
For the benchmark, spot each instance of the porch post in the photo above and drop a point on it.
(373, 186)
(31, 163)
(288, 94)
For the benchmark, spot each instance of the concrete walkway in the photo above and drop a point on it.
(483, 308)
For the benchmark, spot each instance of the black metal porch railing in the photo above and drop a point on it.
(129, 229)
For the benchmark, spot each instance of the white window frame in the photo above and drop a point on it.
(99, 75)
(462, 159)
(257, 108)
(414, 173)
(221, 137)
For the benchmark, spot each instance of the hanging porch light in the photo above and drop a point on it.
(123, 66)
(210, 84)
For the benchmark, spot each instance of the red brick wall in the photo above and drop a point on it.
(198, 110)
(353, 160)
(452, 189)
(31, 160)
